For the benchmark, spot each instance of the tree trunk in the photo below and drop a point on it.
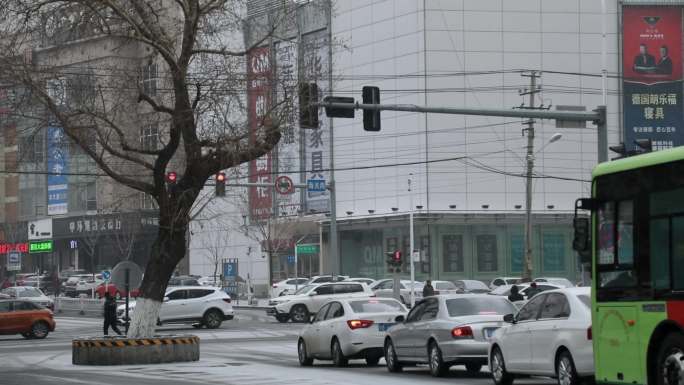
(167, 251)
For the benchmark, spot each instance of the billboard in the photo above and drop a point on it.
(58, 168)
(652, 76)
(258, 105)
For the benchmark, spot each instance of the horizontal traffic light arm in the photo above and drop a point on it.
(596, 116)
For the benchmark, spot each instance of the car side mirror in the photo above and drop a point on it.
(400, 318)
(509, 318)
(166, 299)
(311, 294)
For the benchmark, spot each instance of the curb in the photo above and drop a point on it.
(138, 351)
(252, 307)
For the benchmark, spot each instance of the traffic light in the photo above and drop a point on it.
(334, 112)
(171, 177)
(394, 261)
(308, 108)
(221, 184)
(371, 118)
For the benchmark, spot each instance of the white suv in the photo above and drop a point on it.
(309, 299)
(197, 305)
(288, 286)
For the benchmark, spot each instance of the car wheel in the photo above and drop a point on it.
(338, 357)
(299, 314)
(39, 330)
(437, 366)
(565, 370)
(498, 368)
(670, 369)
(27, 335)
(304, 359)
(473, 368)
(372, 359)
(212, 319)
(393, 364)
(282, 318)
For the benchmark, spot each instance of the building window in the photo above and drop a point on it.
(487, 257)
(149, 79)
(32, 148)
(452, 253)
(149, 137)
(83, 197)
(147, 202)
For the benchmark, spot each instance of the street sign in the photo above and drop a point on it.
(230, 271)
(284, 185)
(290, 259)
(308, 249)
(119, 275)
(415, 256)
(40, 246)
(106, 274)
(13, 261)
(315, 185)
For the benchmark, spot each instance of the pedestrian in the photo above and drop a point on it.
(515, 295)
(110, 315)
(533, 290)
(428, 290)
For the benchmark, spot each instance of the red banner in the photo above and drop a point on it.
(652, 43)
(258, 104)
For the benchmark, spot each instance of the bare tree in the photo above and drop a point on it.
(102, 105)
(216, 247)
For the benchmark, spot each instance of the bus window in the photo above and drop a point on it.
(606, 248)
(616, 272)
(660, 253)
(678, 252)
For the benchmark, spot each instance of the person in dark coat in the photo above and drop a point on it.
(644, 62)
(110, 315)
(533, 290)
(428, 290)
(664, 65)
(515, 295)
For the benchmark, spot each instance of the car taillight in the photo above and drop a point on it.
(590, 335)
(462, 332)
(275, 286)
(226, 300)
(359, 324)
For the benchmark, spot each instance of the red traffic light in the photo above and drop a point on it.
(396, 256)
(221, 177)
(171, 177)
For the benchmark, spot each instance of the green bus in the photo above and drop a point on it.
(636, 242)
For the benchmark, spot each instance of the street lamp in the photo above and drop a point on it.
(527, 270)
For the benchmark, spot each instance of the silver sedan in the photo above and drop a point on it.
(446, 330)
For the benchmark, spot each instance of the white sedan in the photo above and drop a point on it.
(550, 336)
(349, 329)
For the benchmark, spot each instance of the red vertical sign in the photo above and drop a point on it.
(258, 104)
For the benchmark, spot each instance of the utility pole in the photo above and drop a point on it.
(412, 295)
(334, 260)
(528, 268)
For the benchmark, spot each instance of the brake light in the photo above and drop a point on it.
(359, 324)
(590, 335)
(226, 300)
(462, 332)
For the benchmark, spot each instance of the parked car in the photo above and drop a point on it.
(523, 289)
(472, 286)
(26, 318)
(345, 329)
(88, 285)
(549, 336)
(183, 280)
(69, 286)
(210, 281)
(31, 294)
(385, 288)
(200, 306)
(327, 278)
(446, 330)
(306, 302)
(367, 281)
(503, 281)
(563, 282)
(445, 287)
(114, 291)
(288, 286)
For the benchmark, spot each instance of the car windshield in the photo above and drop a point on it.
(459, 307)
(376, 306)
(29, 292)
(305, 289)
(506, 290)
(475, 285)
(585, 300)
(445, 286)
(511, 281)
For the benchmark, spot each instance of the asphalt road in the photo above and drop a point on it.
(250, 350)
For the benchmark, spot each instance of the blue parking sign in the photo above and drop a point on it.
(230, 271)
(315, 185)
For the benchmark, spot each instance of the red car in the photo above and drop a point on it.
(26, 318)
(114, 292)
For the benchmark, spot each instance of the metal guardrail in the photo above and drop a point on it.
(81, 305)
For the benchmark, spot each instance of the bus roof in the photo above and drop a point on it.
(638, 161)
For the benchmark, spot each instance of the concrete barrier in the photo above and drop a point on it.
(138, 351)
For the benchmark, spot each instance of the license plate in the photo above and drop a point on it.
(384, 327)
(489, 332)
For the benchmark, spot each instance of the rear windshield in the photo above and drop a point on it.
(376, 306)
(29, 292)
(479, 306)
(445, 286)
(585, 300)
